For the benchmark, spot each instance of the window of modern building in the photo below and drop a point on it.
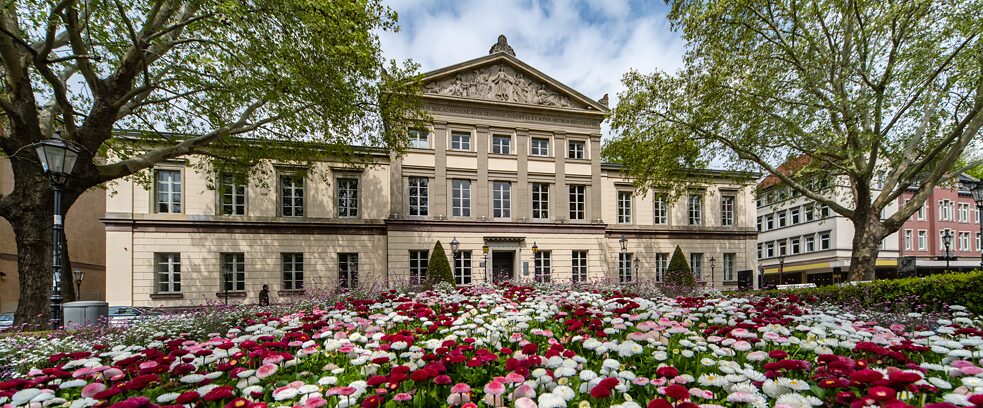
(695, 205)
(810, 212)
(293, 271)
(576, 149)
(419, 261)
(233, 194)
(782, 247)
(540, 201)
(291, 196)
(460, 141)
(539, 146)
(578, 198)
(541, 266)
(796, 215)
(696, 265)
(234, 271)
(578, 262)
(168, 272)
(810, 243)
(824, 211)
(782, 219)
(347, 271)
(502, 199)
(168, 188)
(661, 265)
(501, 144)
(461, 198)
(419, 195)
(624, 207)
(626, 273)
(963, 212)
(824, 242)
(795, 244)
(770, 222)
(727, 210)
(348, 197)
(729, 262)
(462, 268)
(907, 239)
(922, 240)
(419, 139)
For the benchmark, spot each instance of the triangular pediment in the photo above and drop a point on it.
(501, 78)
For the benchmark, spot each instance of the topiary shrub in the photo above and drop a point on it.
(678, 273)
(438, 269)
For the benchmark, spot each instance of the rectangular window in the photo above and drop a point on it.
(729, 267)
(922, 240)
(168, 268)
(761, 223)
(945, 210)
(824, 243)
(921, 212)
(661, 265)
(461, 198)
(541, 266)
(168, 185)
(770, 249)
(540, 201)
(292, 196)
(782, 247)
(796, 215)
(695, 209)
(964, 241)
(795, 244)
(293, 271)
(233, 192)
(539, 146)
(963, 212)
(770, 222)
(576, 149)
(660, 210)
(501, 144)
(419, 139)
(977, 215)
(347, 271)
(462, 268)
(419, 196)
(419, 261)
(727, 211)
(624, 207)
(348, 197)
(502, 199)
(461, 141)
(234, 271)
(907, 239)
(978, 248)
(626, 270)
(810, 212)
(782, 220)
(761, 251)
(824, 211)
(578, 202)
(696, 265)
(578, 262)
(810, 243)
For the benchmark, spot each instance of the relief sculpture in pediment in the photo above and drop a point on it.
(498, 83)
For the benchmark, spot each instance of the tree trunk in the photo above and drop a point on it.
(867, 237)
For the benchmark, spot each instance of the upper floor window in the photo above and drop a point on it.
(419, 261)
(796, 215)
(922, 240)
(578, 199)
(770, 221)
(348, 197)
(945, 210)
(502, 199)
(419, 195)
(761, 223)
(292, 196)
(696, 264)
(293, 271)
(168, 186)
(419, 139)
(809, 211)
(578, 260)
(233, 194)
(460, 141)
(168, 272)
(794, 243)
(234, 271)
(624, 207)
(824, 242)
(729, 261)
(964, 241)
(660, 209)
(539, 146)
(810, 243)
(963, 212)
(576, 149)
(921, 212)
(542, 267)
(782, 219)
(501, 144)
(824, 211)
(727, 210)
(461, 198)
(347, 271)
(540, 201)
(908, 237)
(695, 209)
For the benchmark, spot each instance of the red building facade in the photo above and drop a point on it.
(947, 209)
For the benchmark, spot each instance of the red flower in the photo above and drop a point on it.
(530, 349)
(609, 383)
(442, 379)
(600, 392)
(904, 377)
(866, 376)
(220, 393)
(659, 403)
(108, 393)
(844, 397)
(373, 401)
(238, 403)
(187, 397)
(667, 371)
(677, 392)
(976, 399)
(134, 402)
(375, 380)
(881, 393)
(777, 354)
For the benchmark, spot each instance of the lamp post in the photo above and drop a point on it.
(58, 159)
(947, 242)
(484, 255)
(636, 264)
(978, 197)
(781, 268)
(624, 243)
(78, 274)
(227, 273)
(713, 262)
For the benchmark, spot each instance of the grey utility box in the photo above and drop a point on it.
(85, 313)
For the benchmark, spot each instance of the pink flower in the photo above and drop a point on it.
(92, 389)
(402, 397)
(82, 372)
(460, 388)
(514, 377)
(346, 391)
(266, 370)
(495, 388)
(315, 402)
(525, 402)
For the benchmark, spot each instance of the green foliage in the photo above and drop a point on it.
(930, 293)
(438, 269)
(678, 273)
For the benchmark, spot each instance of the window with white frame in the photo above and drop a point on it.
(576, 149)
(978, 248)
(782, 247)
(293, 270)
(795, 215)
(824, 211)
(419, 195)
(541, 266)
(233, 194)
(963, 212)
(922, 240)
(921, 212)
(578, 198)
(501, 144)
(540, 201)
(945, 210)
(977, 211)
(824, 242)
(795, 244)
(727, 210)
(578, 262)
(660, 209)
(661, 265)
(729, 262)
(347, 270)
(461, 198)
(234, 271)
(460, 141)
(782, 219)
(419, 261)
(761, 251)
(419, 139)
(695, 206)
(292, 196)
(168, 186)
(770, 249)
(626, 273)
(809, 211)
(810, 243)
(770, 222)
(760, 223)
(624, 207)
(462, 268)
(908, 237)
(348, 197)
(539, 146)
(964, 241)
(168, 272)
(696, 265)
(502, 199)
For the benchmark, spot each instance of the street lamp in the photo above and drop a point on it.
(535, 248)
(455, 246)
(636, 264)
(228, 282)
(947, 242)
(978, 197)
(484, 255)
(781, 268)
(78, 274)
(713, 262)
(58, 159)
(624, 243)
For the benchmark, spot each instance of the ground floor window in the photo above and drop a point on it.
(293, 271)
(542, 266)
(462, 267)
(348, 271)
(661, 265)
(729, 267)
(578, 261)
(234, 272)
(419, 261)
(696, 265)
(625, 268)
(168, 268)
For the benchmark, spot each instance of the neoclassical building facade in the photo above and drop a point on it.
(508, 178)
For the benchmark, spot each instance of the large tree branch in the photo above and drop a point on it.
(79, 47)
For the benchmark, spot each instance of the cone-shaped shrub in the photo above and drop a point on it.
(438, 269)
(678, 272)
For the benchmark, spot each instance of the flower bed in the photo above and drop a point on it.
(524, 347)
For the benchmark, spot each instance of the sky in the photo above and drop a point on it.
(588, 45)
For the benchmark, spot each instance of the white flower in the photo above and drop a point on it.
(587, 375)
(793, 384)
(192, 378)
(285, 394)
(169, 397)
(72, 384)
(940, 383)
(712, 380)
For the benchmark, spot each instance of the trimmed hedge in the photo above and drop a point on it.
(931, 292)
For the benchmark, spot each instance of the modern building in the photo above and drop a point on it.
(508, 179)
(948, 210)
(86, 245)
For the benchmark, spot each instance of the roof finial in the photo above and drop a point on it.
(603, 100)
(502, 46)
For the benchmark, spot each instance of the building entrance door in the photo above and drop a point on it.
(503, 266)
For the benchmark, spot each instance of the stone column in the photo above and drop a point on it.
(480, 190)
(438, 186)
